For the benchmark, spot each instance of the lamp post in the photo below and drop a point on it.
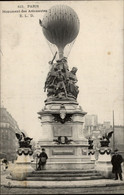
(113, 133)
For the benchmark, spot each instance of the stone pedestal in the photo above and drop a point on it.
(22, 166)
(91, 153)
(103, 164)
(64, 155)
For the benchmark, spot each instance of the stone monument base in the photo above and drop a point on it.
(105, 168)
(67, 165)
(63, 137)
(103, 165)
(21, 168)
(67, 157)
(91, 153)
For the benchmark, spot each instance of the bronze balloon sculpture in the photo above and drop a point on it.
(60, 27)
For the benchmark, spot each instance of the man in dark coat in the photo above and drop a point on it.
(42, 159)
(116, 162)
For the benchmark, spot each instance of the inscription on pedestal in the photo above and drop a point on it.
(62, 130)
(63, 152)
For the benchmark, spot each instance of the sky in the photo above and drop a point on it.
(97, 53)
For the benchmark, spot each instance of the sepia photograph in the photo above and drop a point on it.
(62, 97)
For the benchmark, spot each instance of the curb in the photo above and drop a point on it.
(62, 186)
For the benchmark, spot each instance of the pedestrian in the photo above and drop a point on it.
(116, 162)
(42, 159)
(5, 164)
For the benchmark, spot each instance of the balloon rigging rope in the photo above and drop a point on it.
(50, 47)
(71, 47)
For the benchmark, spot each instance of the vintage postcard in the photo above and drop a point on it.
(62, 79)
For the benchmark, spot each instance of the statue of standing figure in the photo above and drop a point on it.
(72, 89)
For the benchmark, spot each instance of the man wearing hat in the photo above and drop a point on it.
(42, 159)
(116, 162)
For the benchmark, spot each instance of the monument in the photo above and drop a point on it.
(103, 165)
(62, 117)
(22, 166)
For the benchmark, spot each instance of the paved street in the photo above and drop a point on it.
(81, 190)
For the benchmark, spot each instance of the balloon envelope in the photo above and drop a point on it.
(60, 25)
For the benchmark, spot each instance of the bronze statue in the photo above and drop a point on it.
(24, 142)
(60, 87)
(72, 89)
(60, 82)
(105, 140)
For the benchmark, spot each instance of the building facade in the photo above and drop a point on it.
(8, 140)
(96, 130)
(91, 125)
